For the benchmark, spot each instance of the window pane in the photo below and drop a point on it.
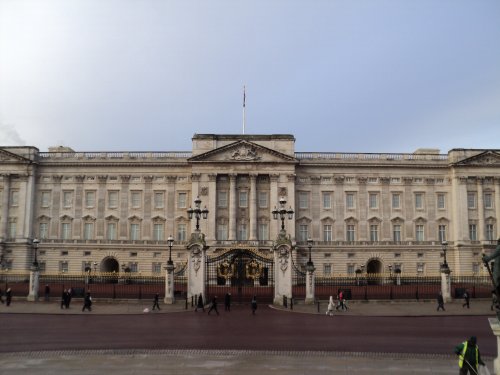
(327, 200)
(113, 199)
(222, 232)
(396, 200)
(442, 233)
(303, 232)
(350, 200)
(488, 200)
(45, 199)
(327, 232)
(373, 200)
(44, 231)
(158, 200)
(181, 200)
(111, 231)
(351, 234)
(471, 200)
(303, 200)
(66, 231)
(263, 202)
(134, 232)
(222, 199)
(158, 232)
(181, 232)
(88, 231)
(441, 201)
(373, 232)
(419, 203)
(243, 199)
(242, 232)
(136, 199)
(419, 232)
(263, 231)
(473, 232)
(67, 199)
(397, 233)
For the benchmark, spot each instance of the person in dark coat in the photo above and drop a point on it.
(213, 306)
(8, 296)
(466, 299)
(47, 292)
(69, 296)
(440, 301)
(199, 304)
(87, 302)
(64, 299)
(254, 304)
(227, 302)
(155, 302)
(469, 357)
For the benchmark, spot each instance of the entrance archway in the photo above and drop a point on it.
(374, 266)
(109, 264)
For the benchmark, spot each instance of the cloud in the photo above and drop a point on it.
(9, 136)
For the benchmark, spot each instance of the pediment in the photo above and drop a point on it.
(10, 157)
(487, 158)
(243, 152)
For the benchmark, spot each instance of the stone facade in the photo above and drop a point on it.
(112, 210)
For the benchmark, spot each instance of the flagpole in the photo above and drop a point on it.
(244, 98)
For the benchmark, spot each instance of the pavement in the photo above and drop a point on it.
(227, 362)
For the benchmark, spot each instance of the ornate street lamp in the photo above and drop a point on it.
(35, 250)
(444, 266)
(310, 264)
(282, 212)
(170, 243)
(197, 212)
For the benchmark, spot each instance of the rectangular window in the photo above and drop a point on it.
(420, 268)
(488, 200)
(442, 233)
(441, 201)
(89, 199)
(373, 200)
(43, 231)
(181, 200)
(63, 266)
(45, 199)
(222, 199)
(67, 198)
(134, 232)
(419, 201)
(156, 267)
(222, 232)
(303, 200)
(396, 200)
(475, 267)
(350, 201)
(181, 232)
(158, 232)
(419, 232)
(490, 235)
(111, 231)
(263, 231)
(327, 269)
(242, 232)
(12, 229)
(471, 200)
(351, 233)
(396, 233)
(159, 199)
(86, 266)
(263, 200)
(135, 199)
(88, 231)
(14, 198)
(243, 199)
(473, 232)
(134, 267)
(373, 232)
(350, 269)
(303, 232)
(65, 231)
(327, 233)
(327, 200)
(112, 199)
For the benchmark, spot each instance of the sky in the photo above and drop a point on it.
(341, 76)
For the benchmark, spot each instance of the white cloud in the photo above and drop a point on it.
(9, 136)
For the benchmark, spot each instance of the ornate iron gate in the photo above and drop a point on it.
(298, 282)
(241, 272)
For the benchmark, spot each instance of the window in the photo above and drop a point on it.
(263, 231)
(327, 233)
(350, 269)
(45, 199)
(133, 267)
(263, 201)
(43, 231)
(181, 232)
(420, 268)
(327, 269)
(112, 199)
(471, 200)
(490, 235)
(396, 200)
(66, 231)
(158, 199)
(373, 200)
(488, 200)
(396, 233)
(181, 200)
(242, 232)
(86, 266)
(135, 199)
(419, 232)
(441, 201)
(222, 199)
(158, 231)
(134, 232)
(351, 233)
(111, 231)
(350, 200)
(327, 200)
(67, 198)
(156, 267)
(222, 231)
(419, 201)
(63, 266)
(373, 232)
(89, 199)
(12, 229)
(14, 198)
(243, 199)
(303, 232)
(303, 200)
(473, 232)
(88, 231)
(442, 233)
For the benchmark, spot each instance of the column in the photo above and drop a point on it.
(274, 225)
(5, 207)
(56, 206)
(169, 284)
(148, 205)
(446, 284)
(282, 272)
(197, 270)
(495, 327)
(78, 206)
(34, 284)
(212, 207)
(480, 210)
(253, 207)
(123, 231)
(291, 203)
(460, 212)
(101, 205)
(170, 203)
(310, 286)
(232, 207)
(497, 204)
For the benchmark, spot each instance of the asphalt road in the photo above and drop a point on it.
(269, 329)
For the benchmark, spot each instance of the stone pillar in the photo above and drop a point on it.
(480, 210)
(253, 207)
(497, 204)
(446, 284)
(495, 327)
(123, 230)
(197, 272)
(34, 284)
(282, 269)
(232, 207)
(169, 284)
(310, 295)
(4, 219)
(212, 207)
(273, 203)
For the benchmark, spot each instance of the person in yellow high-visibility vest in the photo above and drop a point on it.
(468, 357)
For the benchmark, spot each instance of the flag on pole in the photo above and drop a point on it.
(244, 96)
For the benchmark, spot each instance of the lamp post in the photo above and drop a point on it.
(310, 264)
(282, 212)
(390, 273)
(170, 243)
(445, 274)
(444, 247)
(35, 250)
(169, 275)
(310, 275)
(34, 274)
(95, 267)
(197, 212)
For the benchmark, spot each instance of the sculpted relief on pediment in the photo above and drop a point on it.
(489, 158)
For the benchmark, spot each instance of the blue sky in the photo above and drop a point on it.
(343, 76)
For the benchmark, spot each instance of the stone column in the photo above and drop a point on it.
(480, 210)
(34, 284)
(169, 284)
(282, 269)
(291, 203)
(446, 284)
(170, 204)
(253, 207)
(101, 206)
(212, 207)
(495, 327)
(232, 207)
(5, 207)
(310, 295)
(123, 231)
(497, 204)
(273, 203)
(197, 272)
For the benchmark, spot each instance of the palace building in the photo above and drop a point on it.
(115, 210)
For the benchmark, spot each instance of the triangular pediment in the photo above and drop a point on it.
(243, 152)
(484, 159)
(10, 157)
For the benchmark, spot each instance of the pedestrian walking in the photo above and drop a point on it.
(199, 304)
(69, 297)
(227, 302)
(340, 298)
(254, 305)
(331, 307)
(155, 302)
(440, 301)
(8, 296)
(87, 302)
(469, 357)
(47, 292)
(64, 299)
(213, 306)
(466, 299)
